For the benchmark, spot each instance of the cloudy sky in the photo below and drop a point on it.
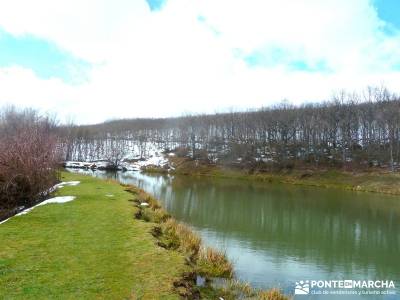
(93, 60)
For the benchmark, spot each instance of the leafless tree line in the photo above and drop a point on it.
(28, 157)
(355, 130)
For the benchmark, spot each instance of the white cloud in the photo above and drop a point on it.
(21, 87)
(168, 62)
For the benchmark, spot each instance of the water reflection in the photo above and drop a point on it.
(279, 234)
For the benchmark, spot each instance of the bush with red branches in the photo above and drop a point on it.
(28, 158)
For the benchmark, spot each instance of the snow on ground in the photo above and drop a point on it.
(66, 183)
(130, 166)
(146, 150)
(78, 164)
(87, 165)
(5, 220)
(62, 199)
(60, 185)
(150, 154)
(159, 161)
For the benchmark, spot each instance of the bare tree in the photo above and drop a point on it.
(351, 130)
(29, 157)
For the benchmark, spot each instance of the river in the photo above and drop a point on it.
(277, 235)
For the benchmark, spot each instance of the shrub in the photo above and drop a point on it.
(180, 237)
(152, 215)
(272, 294)
(231, 289)
(214, 263)
(28, 157)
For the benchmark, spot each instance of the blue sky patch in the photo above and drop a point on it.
(396, 67)
(156, 5)
(301, 65)
(201, 18)
(276, 56)
(389, 11)
(265, 58)
(43, 57)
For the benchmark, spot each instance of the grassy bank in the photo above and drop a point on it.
(378, 181)
(204, 262)
(90, 248)
(111, 242)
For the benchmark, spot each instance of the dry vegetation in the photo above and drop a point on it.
(233, 289)
(214, 263)
(28, 159)
(203, 261)
(350, 131)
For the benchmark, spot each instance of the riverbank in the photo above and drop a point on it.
(88, 248)
(111, 242)
(377, 181)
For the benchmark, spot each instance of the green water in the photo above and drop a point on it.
(279, 234)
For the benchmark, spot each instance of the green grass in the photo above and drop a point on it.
(204, 261)
(90, 248)
(173, 235)
(96, 247)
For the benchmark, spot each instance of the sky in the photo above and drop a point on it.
(96, 60)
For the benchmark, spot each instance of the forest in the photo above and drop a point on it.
(351, 130)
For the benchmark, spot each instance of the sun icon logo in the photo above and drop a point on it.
(302, 287)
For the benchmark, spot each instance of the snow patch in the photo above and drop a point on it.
(158, 161)
(138, 157)
(5, 220)
(67, 183)
(61, 199)
(129, 167)
(78, 164)
(61, 185)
